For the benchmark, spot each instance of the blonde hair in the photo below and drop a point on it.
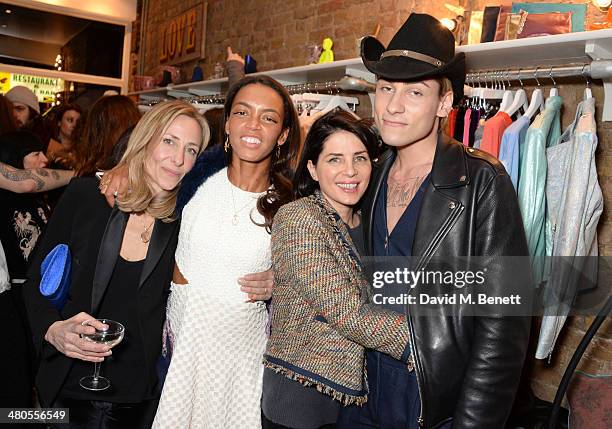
(144, 138)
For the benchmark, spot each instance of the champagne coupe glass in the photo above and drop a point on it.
(110, 337)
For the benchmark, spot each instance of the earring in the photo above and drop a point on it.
(278, 151)
(226, 144)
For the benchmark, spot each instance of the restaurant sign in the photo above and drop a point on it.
(183, 37)
(45, 88)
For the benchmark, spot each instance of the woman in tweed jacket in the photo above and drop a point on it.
(321, 318)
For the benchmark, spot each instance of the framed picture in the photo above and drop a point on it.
(183, 37)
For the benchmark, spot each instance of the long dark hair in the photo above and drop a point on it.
(107, 120)
(303, 183)
(281, 190)
(7, 123)
(59, 115)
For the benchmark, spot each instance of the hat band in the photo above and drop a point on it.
(414, 55)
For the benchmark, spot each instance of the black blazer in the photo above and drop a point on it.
(94, 233)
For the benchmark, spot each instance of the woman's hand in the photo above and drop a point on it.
(114, 184)
(258, 286)
(65, 336)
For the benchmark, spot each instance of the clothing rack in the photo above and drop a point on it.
(347, 83)
(600, 69)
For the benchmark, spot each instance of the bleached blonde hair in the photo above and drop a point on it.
(145, 137)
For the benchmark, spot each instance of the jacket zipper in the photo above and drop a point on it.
(417, 369)
(433, 246)
(457, 210)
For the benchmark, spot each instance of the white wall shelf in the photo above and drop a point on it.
(289, 76)
(563, 49)
(542, 51)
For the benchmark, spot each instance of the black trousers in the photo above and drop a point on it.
(17, 360)
(268, 424)
(107, 415)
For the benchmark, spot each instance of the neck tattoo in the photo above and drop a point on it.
(400, 194)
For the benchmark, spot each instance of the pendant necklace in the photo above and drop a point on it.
(145, 236)
(235, 218)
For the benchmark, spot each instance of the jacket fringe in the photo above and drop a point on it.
(341, 397)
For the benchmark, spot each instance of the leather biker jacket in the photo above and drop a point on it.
(468, 367)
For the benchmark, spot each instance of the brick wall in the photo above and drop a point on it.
(276, 33)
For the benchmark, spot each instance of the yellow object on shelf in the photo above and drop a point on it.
(327, 56)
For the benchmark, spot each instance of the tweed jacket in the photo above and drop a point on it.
(321, 318)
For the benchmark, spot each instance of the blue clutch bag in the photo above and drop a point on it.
(55, 276)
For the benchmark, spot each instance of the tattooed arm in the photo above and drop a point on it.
(39, 180)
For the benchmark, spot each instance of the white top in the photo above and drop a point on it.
(215, 375)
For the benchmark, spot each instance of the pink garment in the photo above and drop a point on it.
(466, 127)
(493, 131)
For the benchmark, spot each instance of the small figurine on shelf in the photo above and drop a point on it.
(327, 56)
(197, 74)
(313, 54)
(250, 65)
(217, 71)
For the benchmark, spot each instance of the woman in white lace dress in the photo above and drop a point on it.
(217, 335)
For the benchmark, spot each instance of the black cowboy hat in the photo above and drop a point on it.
(421, 49)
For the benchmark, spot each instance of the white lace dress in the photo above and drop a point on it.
(215, 376)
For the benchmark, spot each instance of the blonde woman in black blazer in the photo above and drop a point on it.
(122, 261)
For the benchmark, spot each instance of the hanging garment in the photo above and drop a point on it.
(467, 118)
(509, 150)
(474, 121)
(493, 131)
(452, 117)
(575, 203)
(458, 132)
(479, 132)
(545, 129)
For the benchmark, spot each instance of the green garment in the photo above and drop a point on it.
(543, 132)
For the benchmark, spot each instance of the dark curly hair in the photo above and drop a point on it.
(280, 175)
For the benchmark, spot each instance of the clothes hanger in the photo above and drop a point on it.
(553, 91)
(492, 93)
(327, 102)
(587, 91)
(507, 97)
(537, 99)
(520, 99)
(338, 101)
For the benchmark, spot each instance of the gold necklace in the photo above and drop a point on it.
(145, 236)
(235, 218)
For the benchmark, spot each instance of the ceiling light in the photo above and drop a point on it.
(8, 11)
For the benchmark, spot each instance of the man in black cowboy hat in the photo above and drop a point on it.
(436, 200)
